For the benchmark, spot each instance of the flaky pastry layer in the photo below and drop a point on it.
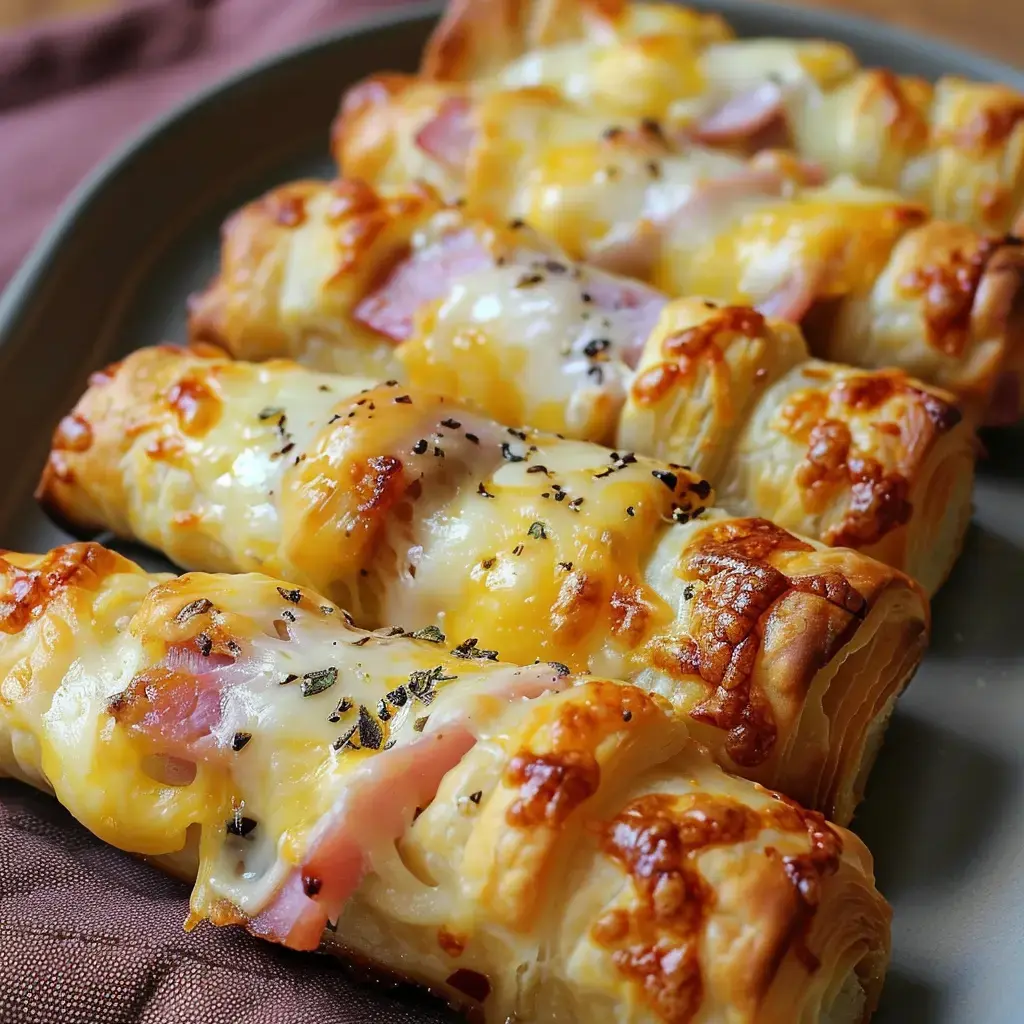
(957, 146)
(493, 315)
(873, 280)
(405, 507)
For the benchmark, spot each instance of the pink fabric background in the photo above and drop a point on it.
(70, 94)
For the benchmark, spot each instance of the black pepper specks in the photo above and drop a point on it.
(537, 531)
(509, 455)
(669, 479)
(482, 491)
(343, 707)
(528, 280)
(420, 447)
(239, 825)
(239, 740)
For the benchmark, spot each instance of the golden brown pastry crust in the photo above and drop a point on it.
(385, 501)
(874, 281)
(527, 336)
(956, 146)
(582, 857)
(476, 38)
(873, 461)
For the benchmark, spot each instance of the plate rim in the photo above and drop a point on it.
(16, 298)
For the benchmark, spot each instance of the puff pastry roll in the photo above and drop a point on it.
(526, 844)
(495, 316)
(873, 280)
(408, 508)
(956, 146)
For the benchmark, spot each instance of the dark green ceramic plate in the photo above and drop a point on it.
(945, 812)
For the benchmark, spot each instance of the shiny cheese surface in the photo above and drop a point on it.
(239, 704)
(843, 232)
(407, 508)
(492, 315)
(956, 146)
(874, 281)
(306, 769)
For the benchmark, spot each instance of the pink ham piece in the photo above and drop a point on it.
(636, 254)
(379, 801)
(177, 705)
(449, 135)
(794, 298)
(425, 276)
(635, 308)
(742, 117)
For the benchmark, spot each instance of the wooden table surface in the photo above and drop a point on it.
(992, 26)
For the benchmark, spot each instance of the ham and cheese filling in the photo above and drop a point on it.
(407, 507)
(871, 278)
(302, 746)
(427, 806)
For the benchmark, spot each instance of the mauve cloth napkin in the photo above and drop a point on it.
(71, 93)
(89, 935)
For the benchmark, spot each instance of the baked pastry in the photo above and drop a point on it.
(873, 281)
(496, 316)
(407, 508)
(424, 806)
(956, 146)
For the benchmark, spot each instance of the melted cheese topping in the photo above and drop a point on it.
(408, 508)
(550, 795)
(674, 76)
(844, 234)
(303, 705)
(532, 342)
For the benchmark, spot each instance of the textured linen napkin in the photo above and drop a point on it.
(90, 935)
(70, 93)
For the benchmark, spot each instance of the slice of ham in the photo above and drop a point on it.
(379, 800)
(793, 299)
(176, 706)
(634, 306)
(449, 135)
(424, 276)
(634, 253)
(172, 709)
(742, 117)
